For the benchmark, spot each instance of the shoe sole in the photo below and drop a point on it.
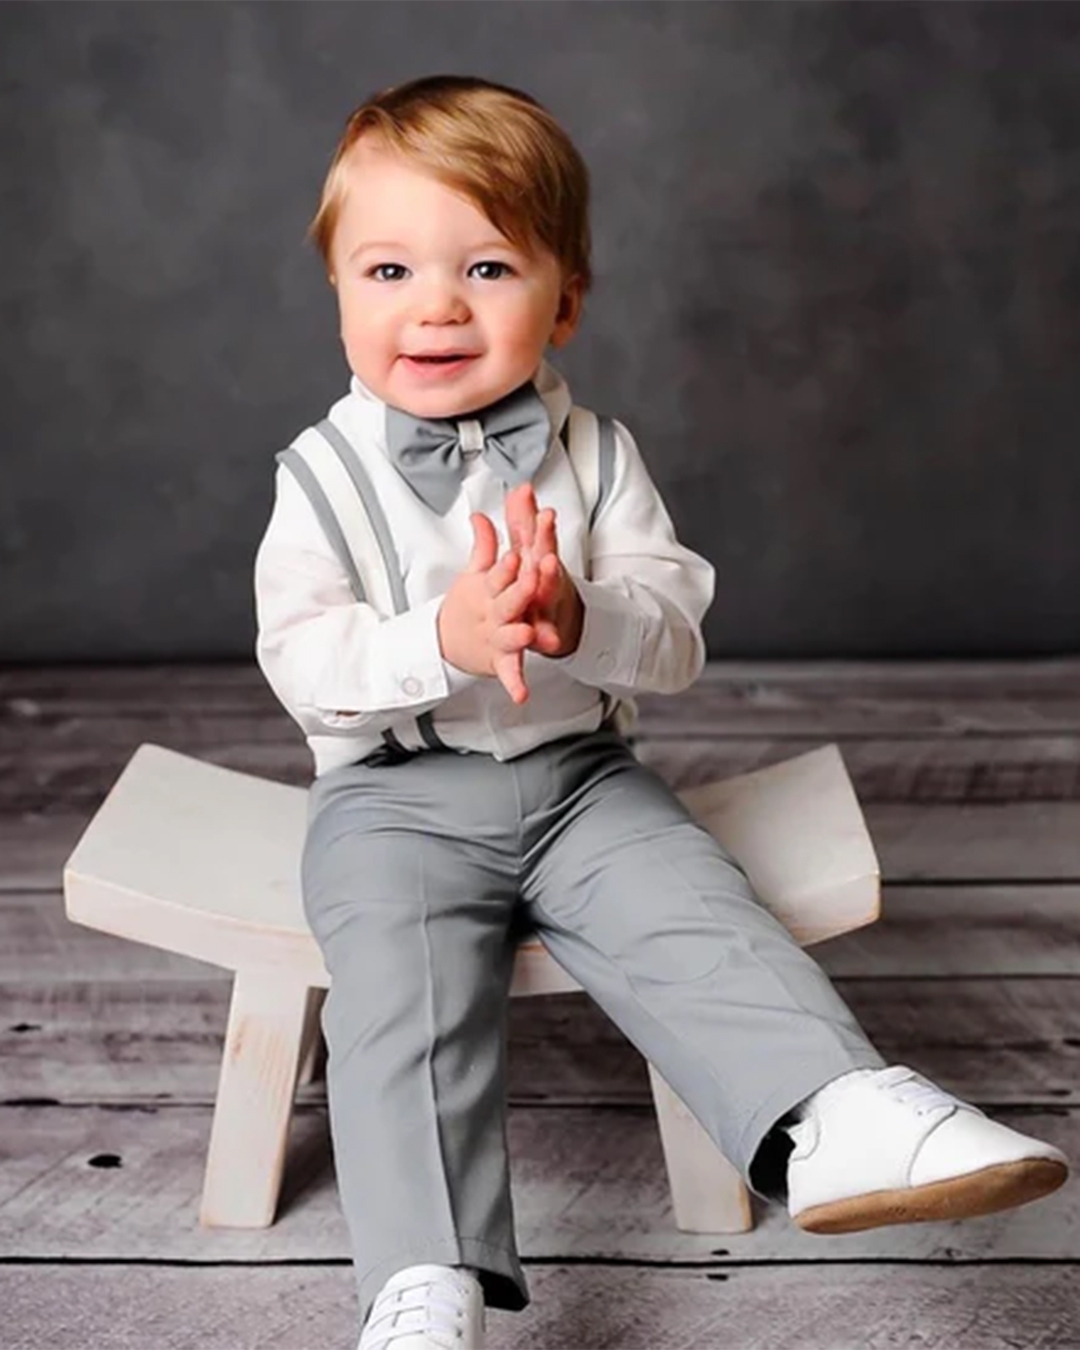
(985, 1192)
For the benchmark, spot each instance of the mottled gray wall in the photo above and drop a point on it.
(838, 300)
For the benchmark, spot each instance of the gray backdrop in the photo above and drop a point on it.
(838, 286)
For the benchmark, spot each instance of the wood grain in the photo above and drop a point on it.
(884, 769)
(588, 1184)
(596, 1307)
(865, 696)
(969, 773)
(1014, 1039)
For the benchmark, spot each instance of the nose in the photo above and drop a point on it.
(441, 301)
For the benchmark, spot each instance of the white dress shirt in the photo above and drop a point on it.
(345, 671)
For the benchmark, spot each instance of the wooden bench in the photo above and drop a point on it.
(204, 861)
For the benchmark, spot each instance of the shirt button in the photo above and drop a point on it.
(605, 663)
(412, 686)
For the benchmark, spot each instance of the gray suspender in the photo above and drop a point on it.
(605, 477)
(385, 540)
(324, 511)
(364, 486)
(303, 474)
(606, 431)
(301, 471)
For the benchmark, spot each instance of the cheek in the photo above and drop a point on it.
(528, 327)
(362, 326)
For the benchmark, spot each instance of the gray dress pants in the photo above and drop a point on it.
(417, 879)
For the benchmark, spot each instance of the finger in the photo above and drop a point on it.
(546, 542)
(547, 639)
(549, 581)
(521, 516)
(513, 637)
(504, 571)
(510, 671)
(485, 543)
(515, 598)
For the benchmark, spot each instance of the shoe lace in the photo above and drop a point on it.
(439, 1315)
(909, 1087)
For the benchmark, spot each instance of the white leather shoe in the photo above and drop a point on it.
(426, 1308)
(887, 1146)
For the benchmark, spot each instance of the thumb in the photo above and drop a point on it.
(485, 544)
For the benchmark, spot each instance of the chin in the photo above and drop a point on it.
(450, 403)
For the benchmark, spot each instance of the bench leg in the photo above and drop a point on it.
(707, 1193)
(312, 1045)
(254, 1101)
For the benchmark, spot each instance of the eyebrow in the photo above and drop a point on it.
(394, 246)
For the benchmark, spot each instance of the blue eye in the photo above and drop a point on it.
(387, 272)
(490, 271)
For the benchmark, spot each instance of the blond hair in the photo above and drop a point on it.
(495, 145)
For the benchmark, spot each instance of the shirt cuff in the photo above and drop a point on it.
(612, 636)
(410, 671)
(458, 679)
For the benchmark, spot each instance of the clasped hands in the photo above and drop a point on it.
(497, 608)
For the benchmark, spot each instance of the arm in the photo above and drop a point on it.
(338, 665)
(646, 594)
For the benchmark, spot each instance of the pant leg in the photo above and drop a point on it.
(660, 925)
(409, 887)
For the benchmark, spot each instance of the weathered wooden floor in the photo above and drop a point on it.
(970, 777)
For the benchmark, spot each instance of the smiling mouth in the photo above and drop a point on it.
(440, 358)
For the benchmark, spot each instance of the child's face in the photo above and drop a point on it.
(440, 313)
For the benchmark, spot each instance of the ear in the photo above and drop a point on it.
(568, 315)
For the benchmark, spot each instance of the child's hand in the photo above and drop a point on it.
(480, 623)
(556, 613)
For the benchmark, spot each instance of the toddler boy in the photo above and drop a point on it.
(471, 771)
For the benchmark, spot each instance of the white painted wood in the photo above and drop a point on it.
(199, 860)
(537, 972)
(707, 1192)
(259, 1069)
(312, 1045)
(205, 861)
(797, 830)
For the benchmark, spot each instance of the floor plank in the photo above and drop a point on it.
(1009, 841)
(588, 1183)
(910, 731)
(992, 1040)
(963, 930)
(76, 775)
(1014, 1040)
(847, 1308)
(883, 769)
(39, 944)
(999, 1307)
(798, 697)
(970, 777)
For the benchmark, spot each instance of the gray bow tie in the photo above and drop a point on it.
(512, 436)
